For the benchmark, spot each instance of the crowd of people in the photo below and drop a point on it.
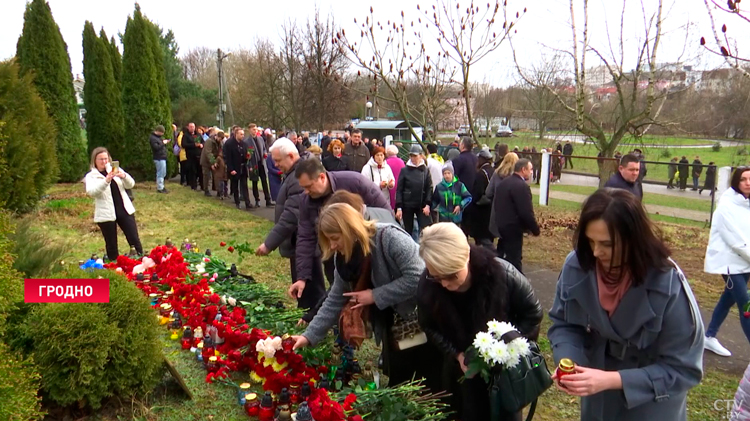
(345, 212)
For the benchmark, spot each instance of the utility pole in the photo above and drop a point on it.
(222, 107)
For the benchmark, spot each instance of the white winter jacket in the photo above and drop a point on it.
(376, 175)
(728, 251)
(98, 188)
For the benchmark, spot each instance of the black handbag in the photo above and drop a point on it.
(512, 389)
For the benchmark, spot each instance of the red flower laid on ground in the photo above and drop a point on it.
(222, 244)
(231, 249)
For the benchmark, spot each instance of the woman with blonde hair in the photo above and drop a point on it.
(336, 161)
(462, 288)
(377, 272)
(112, 206)
(504, 170)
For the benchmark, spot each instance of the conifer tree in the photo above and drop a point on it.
(142, 94)
(116, 57)
(105, 125)
(42, 52)
(28, 165)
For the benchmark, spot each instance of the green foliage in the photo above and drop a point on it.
(665, 153)
(87, 352)
(11, 293)
(105, 125)
(19, 386)
(115, 56)
(36, 256)
(742, 151)
(144, 94)
(409, 401)
(42, 52)
(716, 147)
(27, 160)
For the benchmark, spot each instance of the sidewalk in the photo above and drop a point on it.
(654, 209)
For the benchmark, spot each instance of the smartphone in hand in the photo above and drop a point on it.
(115, 166)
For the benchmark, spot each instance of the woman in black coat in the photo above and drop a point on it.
(710, 180)
(480, 212)
(462, 288)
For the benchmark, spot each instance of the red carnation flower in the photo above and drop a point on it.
(231, 249)
(222, 244)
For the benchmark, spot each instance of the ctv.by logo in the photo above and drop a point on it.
(730, 406)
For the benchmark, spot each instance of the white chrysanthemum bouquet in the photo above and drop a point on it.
(490, 351)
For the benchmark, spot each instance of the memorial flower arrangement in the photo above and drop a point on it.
(488, 351)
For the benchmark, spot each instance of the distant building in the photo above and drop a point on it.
(78, 83)
(716, 80)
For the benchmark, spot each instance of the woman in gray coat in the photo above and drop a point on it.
(625, 315)
(377, 271)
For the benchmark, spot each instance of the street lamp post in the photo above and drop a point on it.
(368, 105)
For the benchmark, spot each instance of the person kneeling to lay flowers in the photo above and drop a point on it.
(462, 289)
(377, 272)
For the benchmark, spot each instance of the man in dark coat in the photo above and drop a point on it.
(258, 159)
(356, 151)
(283, 235)
(710, 181)
(482, 209)
(414, 192)
(514, 213)
(684, 169)
(465, 169)
(159, 151)
(325, 141)
(697, 171)
(235, 157)
(318, 186)
(626, 177)
(193, 147)
(567, 152)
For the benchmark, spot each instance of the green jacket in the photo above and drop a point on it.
(449, 195)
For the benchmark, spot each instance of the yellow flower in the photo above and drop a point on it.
(269, 361)
(255, 378)
(278, 367)
(260, 356)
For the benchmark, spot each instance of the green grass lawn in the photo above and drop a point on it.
(67, 217)
(648, 198)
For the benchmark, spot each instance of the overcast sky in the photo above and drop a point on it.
(231, 24)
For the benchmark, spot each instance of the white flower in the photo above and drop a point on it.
(223, 299)
(232, 301)
(518, 348)
(498, 329)
(483, 342)
(498, 353)
(260, 345)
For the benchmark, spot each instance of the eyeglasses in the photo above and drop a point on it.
(438, 278)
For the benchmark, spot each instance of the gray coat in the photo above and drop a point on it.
(283, 235)
(490, 193)
(654, 339)
(396, 269)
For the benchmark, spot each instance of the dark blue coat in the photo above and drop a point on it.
(274, 177)
(617, 182)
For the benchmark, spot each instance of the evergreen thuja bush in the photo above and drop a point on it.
(88, 352)
(19, 385)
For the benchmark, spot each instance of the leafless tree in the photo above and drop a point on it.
(538, 98)
(432, 79)
(325, 67)
(292, 80)
(199, 66)
(487, 105)
(724, 45)
(631, 105)
(469, 34)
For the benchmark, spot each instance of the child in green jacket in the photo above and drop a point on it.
(450, 197)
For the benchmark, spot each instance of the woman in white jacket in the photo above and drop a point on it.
(112, 206)
(378, 171)
(728, 254)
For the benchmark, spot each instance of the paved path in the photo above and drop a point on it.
(653, 209)
(577, 179)
(545, 280)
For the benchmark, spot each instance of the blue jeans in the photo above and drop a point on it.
(735, 292)
(161, 172)
(695, 182)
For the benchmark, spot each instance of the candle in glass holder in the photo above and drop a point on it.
(566, 366)
(267, 411)
(303, 413)
(252, 406)
(212, 365)
(199, 352)
(154, 299)
(187, 338)
(287, 343)
(294, 397)
(305, 391)
(242, 392)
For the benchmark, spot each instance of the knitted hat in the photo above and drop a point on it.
(448, 167)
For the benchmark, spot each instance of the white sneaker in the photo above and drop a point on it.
(713, 345)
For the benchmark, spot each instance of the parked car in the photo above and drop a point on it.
(463, 130)
(504, 131)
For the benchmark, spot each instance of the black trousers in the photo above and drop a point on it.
(239, 184)
(314, 288)
(408, 219)
(683, 182)
(198, 171)
(264, 183)
(568, 160)
(191, 173)
(183, 172)
(109, 232)
(510, 246)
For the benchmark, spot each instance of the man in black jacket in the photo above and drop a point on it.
(514, 213)
(465, 169)
(284, 233)
(567, 152)
(258, 161)
(318, 186)
(414, 192)
(235, 158)
(683, 167)
(626, 177)
(697, 171)
(159, 151)
(193, 147)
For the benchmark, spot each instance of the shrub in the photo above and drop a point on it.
(716, 147)
(87, 352)
(11, 292)
(35, 254)
(665, 153)
(742, 151)
(19, 386)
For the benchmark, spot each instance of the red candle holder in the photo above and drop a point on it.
(566, 366)
(252, 406)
